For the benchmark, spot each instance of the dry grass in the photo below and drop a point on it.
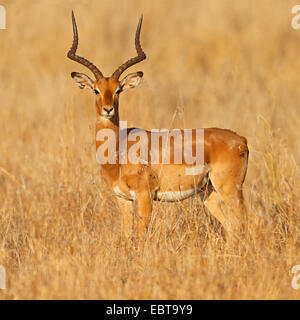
(230, 64)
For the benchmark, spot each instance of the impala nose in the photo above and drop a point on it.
(108, 111)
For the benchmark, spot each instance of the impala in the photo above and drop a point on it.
(137, 185)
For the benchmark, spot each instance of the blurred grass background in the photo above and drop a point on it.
(222, 63)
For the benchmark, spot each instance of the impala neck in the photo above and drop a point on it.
(112, 124)
(103, 123)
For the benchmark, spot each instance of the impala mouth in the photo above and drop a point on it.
(107, 116)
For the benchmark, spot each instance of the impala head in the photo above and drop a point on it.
(107, 89)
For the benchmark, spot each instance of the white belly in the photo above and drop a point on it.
(119, 193)
(171, 196)
(168, 196)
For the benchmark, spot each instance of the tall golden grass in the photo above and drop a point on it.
(230, 64)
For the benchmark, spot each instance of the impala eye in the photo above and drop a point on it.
(118, 91)
(96, 91)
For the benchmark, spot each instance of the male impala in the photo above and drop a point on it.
(136, 185)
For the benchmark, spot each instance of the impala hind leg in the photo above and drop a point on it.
(127, 217)
(226, 203)
(230, 211)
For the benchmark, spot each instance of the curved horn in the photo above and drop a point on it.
(72, 53)
(140, 57)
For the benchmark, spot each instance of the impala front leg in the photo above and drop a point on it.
(126, 217)
(143, 190)
(143, 210)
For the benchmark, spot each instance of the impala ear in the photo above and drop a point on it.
(131, 80)
(83, 81)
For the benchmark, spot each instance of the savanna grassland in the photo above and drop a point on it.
(221, 63)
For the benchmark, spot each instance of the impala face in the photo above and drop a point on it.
(107, 91)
